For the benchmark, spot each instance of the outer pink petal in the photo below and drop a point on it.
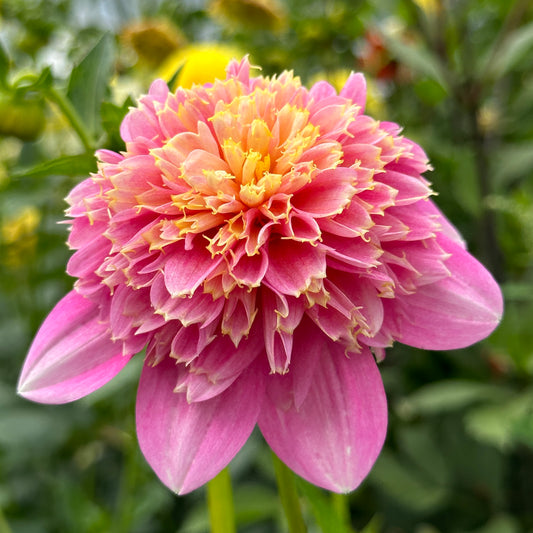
(187, 444)
(452, 313)
(72, 354)
(336, 434)
(428, 208)
(355, 89)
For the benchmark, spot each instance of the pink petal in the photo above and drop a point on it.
(334, 437)
(446, 227)
(454, 312)
(293, 265)
(188, 444)
(321, 90)
(219, 365)
(355, 89)
(328, 194)
(72, 354)
(185, 270)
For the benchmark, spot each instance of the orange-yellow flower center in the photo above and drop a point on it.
(253, 153)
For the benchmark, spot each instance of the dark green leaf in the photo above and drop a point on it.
(405, 485)
(89, 82)
(418, 58)
(422, 449)
(112, 116)
(4, 66)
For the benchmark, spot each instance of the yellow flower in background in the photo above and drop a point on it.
(17, 234)
(198, 64)
(153, 40)
(262, 14)
(375, 100)
(20, 225)
(428, 6)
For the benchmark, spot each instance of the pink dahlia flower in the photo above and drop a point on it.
(264, 242)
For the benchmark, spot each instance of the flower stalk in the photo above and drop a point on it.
(341, 504)
(220, 503)
(72, 116)
(289, 496)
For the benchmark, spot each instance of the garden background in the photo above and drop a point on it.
(456, 74)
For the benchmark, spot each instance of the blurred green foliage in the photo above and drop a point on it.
(458, 75)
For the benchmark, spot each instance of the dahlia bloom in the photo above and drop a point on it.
(265, 242)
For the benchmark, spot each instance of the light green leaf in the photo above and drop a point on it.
(374, 526)
(513, 162)
(68, 165)
(502, 424)
(502, 523)
(518, 291)
(89, 81)
(448, 395)
(505, 56)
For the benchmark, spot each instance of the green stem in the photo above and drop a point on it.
(4, 526)
(220, 504)
(289, 497)
(72, 116)
(341, 505)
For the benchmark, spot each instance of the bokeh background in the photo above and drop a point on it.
(458, 76)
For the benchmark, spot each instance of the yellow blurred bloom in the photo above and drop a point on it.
(488, 117)
(262, 14)
(20, 225)
(198, 64)
(428, 6)
(18, 235)
(153, 40)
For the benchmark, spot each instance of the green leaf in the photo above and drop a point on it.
(322, 508)
(374, 526)
(253, 503)
(504, 57)
(405, 485)
(34, 82)
(512, 162)
(502, 523)
(422, 450)
(68, 165)
(448, 395)
(112, 116)
(32, 427)
(418, 58)
(89, 82)
(518, 291)
(4, 66)
(504, 424)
